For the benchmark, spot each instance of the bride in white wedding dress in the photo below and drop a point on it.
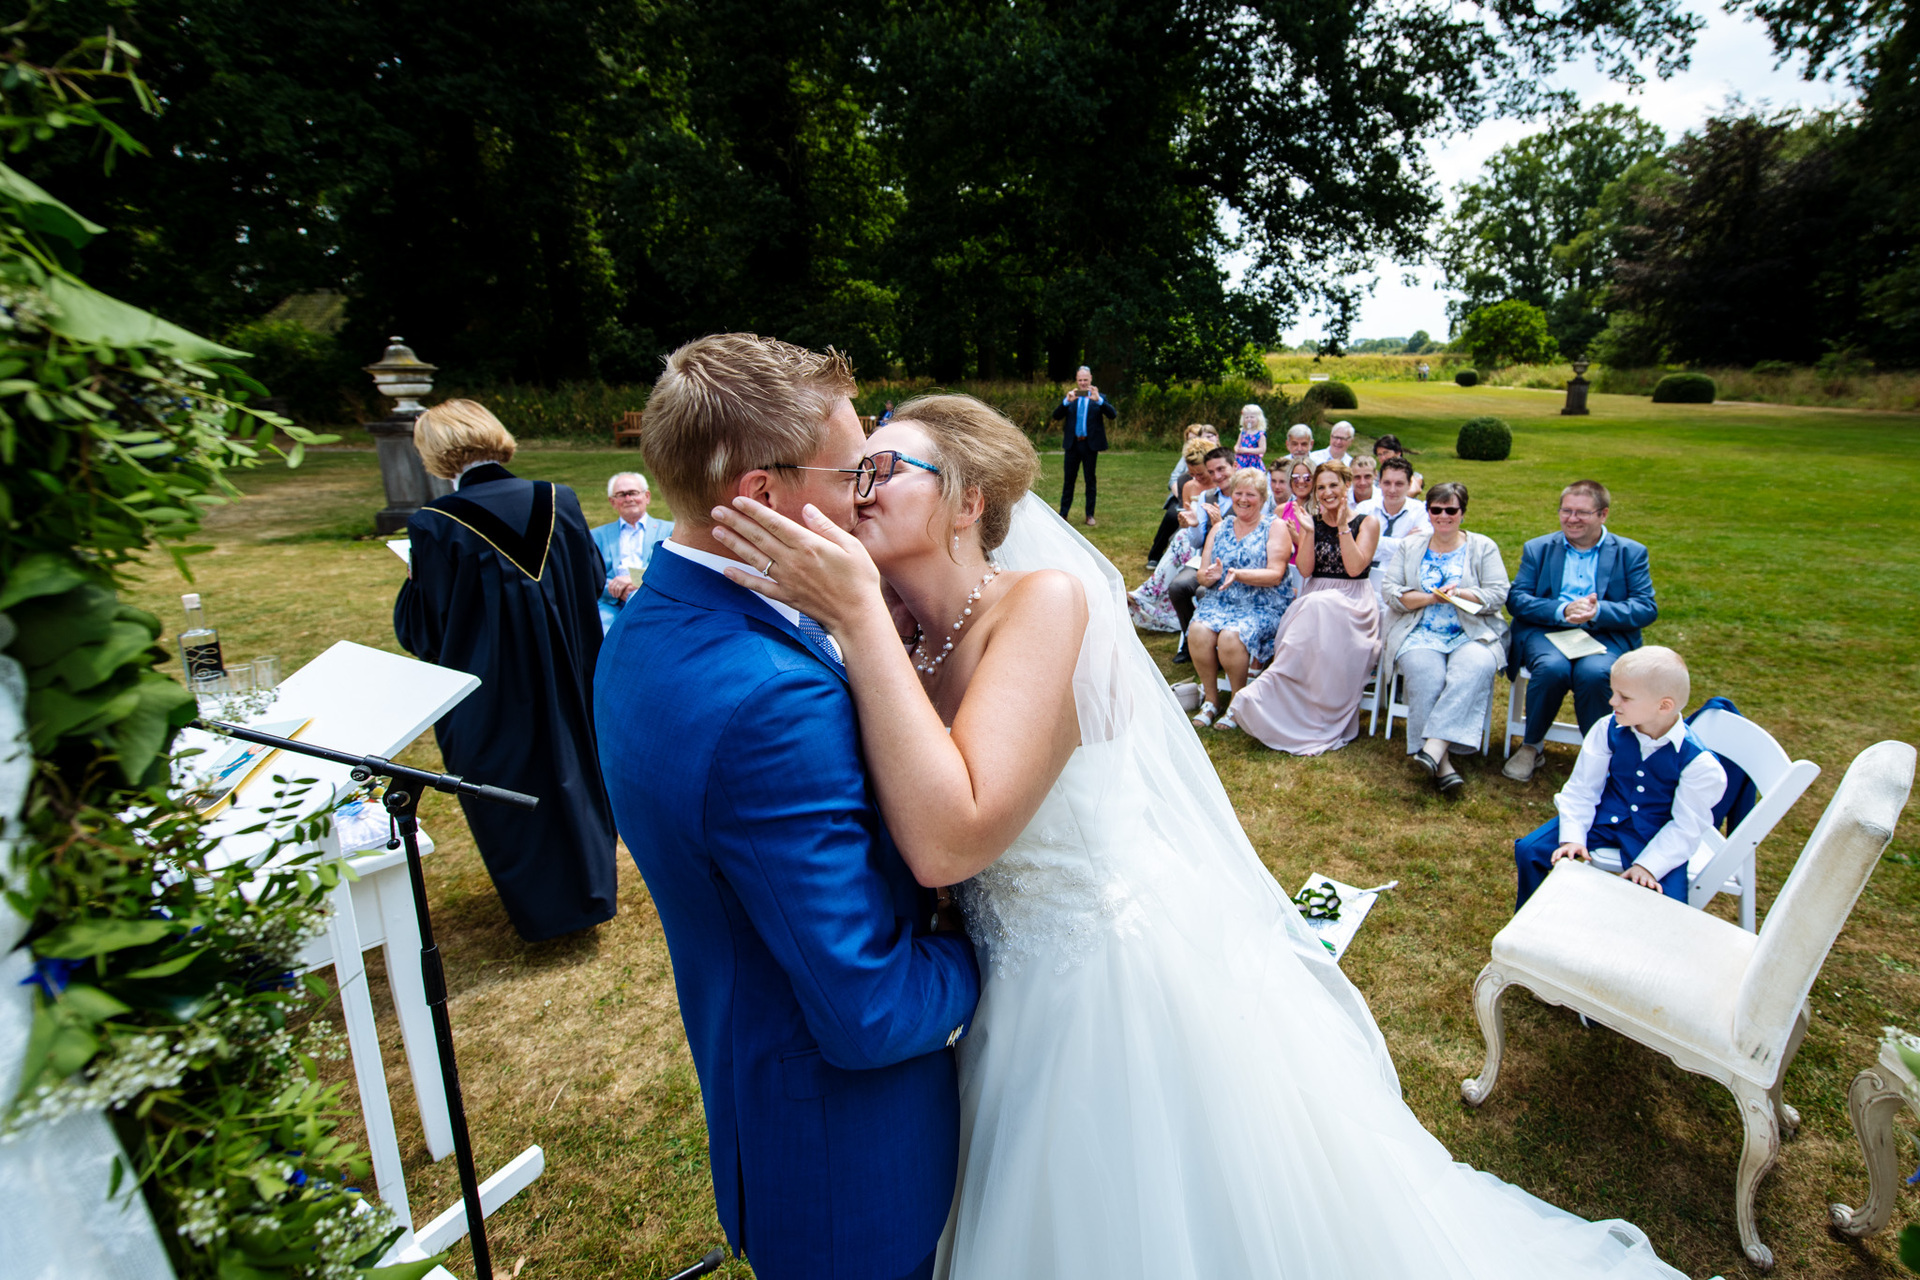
(1166, 1076)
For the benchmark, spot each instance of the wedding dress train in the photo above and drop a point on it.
(1166, 1076)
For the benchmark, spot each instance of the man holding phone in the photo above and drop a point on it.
(1083, 437)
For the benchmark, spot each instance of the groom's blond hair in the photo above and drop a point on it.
(732, 402)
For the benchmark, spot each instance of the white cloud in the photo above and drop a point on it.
(1731, 56)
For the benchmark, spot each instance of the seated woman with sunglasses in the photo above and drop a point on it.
(1444, 590)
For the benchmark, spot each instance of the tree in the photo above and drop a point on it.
(568, 188)
(1727, 259)
(1503, 238)
(1510, 332)
(1419, 344)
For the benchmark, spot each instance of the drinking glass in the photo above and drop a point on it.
(209, 691)
(266, 672)
(240, 678)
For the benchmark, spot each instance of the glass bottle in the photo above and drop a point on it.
(199, 642)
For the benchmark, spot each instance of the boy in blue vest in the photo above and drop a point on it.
(1643, 784)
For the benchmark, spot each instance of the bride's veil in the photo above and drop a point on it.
(1221, 895)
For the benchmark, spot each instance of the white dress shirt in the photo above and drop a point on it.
(720, 565)
(1410, 520)
(1319, 456)
(1700, 787)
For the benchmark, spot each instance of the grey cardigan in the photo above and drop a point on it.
(1485, 574)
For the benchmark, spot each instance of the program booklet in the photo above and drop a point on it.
(402, 547)
(240, 761)
(1575, 644)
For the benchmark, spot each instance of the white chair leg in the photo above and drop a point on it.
(1761, 1149)
(1488, 989)
(1873, 1101)
(1516, 699)
(1749, 892)
(1373, 720)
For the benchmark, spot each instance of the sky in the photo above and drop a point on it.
(1731, 55)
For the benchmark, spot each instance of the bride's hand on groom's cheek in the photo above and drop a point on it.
(820, 569)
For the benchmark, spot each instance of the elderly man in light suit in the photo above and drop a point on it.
(626, 541)
(1582, 578)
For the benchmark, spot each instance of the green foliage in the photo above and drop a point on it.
(166, 993)
(1910, 1246)
(1508, 235)
(1510, 332)
(307, 370)
(1772, 368)
(1467, 377)
(1149, 414)
(568, 198)
(1330, 395)
(1485, 439)
(1684, 388)
(585, 411)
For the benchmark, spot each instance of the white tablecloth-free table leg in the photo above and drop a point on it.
(369, 1072)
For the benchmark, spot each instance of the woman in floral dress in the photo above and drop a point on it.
(1234, 623)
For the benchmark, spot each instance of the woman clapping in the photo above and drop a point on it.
(1308, 699)
(1234, 623)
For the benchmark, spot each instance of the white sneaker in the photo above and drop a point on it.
(1520, 768)
(1205, 715)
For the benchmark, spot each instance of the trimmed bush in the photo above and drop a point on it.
(1684, 388)
(1332, 395)
(1467, 377)
(1484, 440)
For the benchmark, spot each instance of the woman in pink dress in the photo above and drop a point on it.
(1307, 701)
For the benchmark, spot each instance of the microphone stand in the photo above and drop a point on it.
(405, 786)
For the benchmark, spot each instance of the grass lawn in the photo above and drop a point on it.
(1783, 576)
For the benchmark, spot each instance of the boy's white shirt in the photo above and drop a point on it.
(1701, 785)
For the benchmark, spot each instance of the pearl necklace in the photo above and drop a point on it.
(927, 666)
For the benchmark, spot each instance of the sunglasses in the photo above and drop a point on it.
(1443, 511)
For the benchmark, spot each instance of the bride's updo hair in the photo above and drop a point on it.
(976, 448)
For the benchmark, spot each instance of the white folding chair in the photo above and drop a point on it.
(1395, 707)
(1725, 864)
(1517, 717)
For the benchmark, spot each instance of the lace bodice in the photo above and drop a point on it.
(1070, 882)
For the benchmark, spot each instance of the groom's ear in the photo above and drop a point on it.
(756, 485)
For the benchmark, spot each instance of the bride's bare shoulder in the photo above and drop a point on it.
(1046, 592)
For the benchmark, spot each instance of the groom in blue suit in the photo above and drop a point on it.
(820, 1002)
(1583, 578)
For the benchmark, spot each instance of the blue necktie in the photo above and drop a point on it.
(1081, 423)
(817, 636)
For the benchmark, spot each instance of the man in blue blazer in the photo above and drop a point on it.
(629, 539)
(1582, 578)
(820, 1001)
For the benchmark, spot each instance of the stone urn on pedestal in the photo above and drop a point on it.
(1576, 406)
(403, 378)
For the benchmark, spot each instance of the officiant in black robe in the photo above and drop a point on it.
(503, 583)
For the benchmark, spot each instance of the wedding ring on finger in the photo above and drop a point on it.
(768, 571)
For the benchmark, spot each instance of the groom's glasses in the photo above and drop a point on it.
(862, 475)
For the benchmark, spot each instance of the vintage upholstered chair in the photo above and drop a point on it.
(1719, 1001)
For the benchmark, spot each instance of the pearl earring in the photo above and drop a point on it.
(956, 542)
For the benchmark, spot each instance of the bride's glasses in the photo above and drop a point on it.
(861, 476)
(887, 461)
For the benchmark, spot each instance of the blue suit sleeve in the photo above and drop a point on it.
(791, 827)
(1638, 609)
(1524, 600)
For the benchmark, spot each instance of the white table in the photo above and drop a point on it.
(370, 702)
